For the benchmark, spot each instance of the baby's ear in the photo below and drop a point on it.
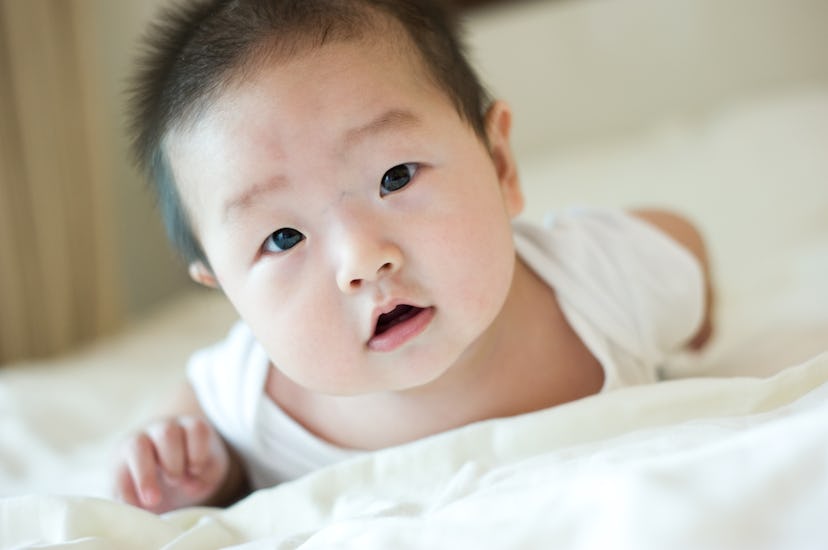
(498, 128)
(202, 274)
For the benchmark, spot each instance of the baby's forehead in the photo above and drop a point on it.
(333, 88)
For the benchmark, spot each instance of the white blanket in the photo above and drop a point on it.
(696, 463)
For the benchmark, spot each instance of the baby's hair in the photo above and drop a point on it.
(197, 49)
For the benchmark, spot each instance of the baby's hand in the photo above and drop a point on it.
(174, 463)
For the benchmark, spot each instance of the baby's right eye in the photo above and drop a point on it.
(282, 239)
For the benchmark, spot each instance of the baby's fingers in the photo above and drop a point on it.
(125, 486)
(202, 445)
(142, 471)
(170, 447)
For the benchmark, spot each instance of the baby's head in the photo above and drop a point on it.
(334, 167)
(200, 50)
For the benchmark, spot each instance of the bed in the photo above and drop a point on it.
(731, 451)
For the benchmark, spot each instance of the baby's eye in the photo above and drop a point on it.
(282, 239)
(397, 177)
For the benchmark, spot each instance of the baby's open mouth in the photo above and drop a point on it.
(399, 314)
(399, 326)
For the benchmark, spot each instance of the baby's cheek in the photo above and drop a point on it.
(314, 354)
(491, 280)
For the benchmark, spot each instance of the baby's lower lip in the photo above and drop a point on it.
(403, 332)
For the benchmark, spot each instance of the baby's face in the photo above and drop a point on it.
(357, 224)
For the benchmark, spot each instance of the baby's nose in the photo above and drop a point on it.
(365, 258)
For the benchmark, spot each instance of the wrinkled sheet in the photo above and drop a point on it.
(695, 463)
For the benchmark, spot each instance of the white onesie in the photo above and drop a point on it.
(632, 294)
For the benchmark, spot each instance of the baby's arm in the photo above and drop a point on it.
(688, 236)
(178, 461)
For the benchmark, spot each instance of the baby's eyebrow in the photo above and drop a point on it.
(393, 119)
(243, 200)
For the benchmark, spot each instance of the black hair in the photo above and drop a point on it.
(196, 49)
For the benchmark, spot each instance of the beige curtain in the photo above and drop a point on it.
(58, 284)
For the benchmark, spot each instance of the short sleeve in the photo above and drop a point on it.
(631, 292)
(228, 379)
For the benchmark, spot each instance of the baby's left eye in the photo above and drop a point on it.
(397, 177)
(282, 240)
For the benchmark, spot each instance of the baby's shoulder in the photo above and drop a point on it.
(622, 281)
(593, 244)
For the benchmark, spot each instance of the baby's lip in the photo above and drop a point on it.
(399, 314)
(387, 311)
(396, 324)
(390, 313)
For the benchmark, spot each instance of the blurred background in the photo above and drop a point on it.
(81, 247)
(82, 250)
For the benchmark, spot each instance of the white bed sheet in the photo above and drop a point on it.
(694, 463)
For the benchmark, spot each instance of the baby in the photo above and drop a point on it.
(335, 169)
